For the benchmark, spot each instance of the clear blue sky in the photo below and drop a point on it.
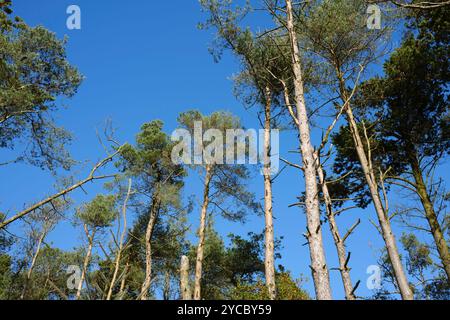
(146, 60)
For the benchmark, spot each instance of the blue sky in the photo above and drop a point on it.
(146, 60)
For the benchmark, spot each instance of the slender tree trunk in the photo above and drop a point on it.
(318, 262)
(148, 251)
(184, 279)
(120, 248)
(201, 235)
(87, 259)
(123, 281)
(338, 240)
(430, 214)
(371, 180)
(269, 261)
(33, 263)
(167, 286)
(114, 277)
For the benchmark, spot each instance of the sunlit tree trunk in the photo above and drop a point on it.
(430, 214)
(148, 250)
(123, 281)
(33, 263)
(87, 260)
(201, 235)
(184, 279)
(120, 248)
(318, 262)
(338, 240)
(269, 261)
(371, 180)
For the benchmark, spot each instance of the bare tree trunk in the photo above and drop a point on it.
(371, 180)
(33, 262)
(430, 214)
(269, 261)
(86, 262)
(318, 262)
(338, 240)
(201, 235)
(122, 238)
(123, 281)
(184, 279)
(148, 252)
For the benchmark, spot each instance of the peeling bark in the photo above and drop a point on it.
(184, 279)
(318, 262)
(269, 261)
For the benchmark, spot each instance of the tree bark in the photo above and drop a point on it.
(318, 262)
(148, 250)
(33, 262)
(86, 262)
(269, 261)
(201, 235)
(430, 214)
(338, 240)
(120, 248)
(184, 279)
(371, 180)
(123, 281)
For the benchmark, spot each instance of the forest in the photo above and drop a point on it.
(225, 150)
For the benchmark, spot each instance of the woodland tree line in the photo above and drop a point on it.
(382, 134)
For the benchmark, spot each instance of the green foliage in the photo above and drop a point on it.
(334, 35)
(228, 182)
(150, 165)
(6, 275)
(427, 282)
(287, 289)
(405, 112)
(99, 213)
(226, 268)
(157, 186)
(5, 239)
(34, 73)
(418, 254)
(49, 277)
(50, 272)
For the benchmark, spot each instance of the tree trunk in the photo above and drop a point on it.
(33, 262)
(123, 281)
(338, 241)
(318, 262)
(86, 263)
(148, 251)
(120, 248)
(385, 224)
(430, 214)
(269, 261)
(201, 235)
(184, 279)
(167, 286)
